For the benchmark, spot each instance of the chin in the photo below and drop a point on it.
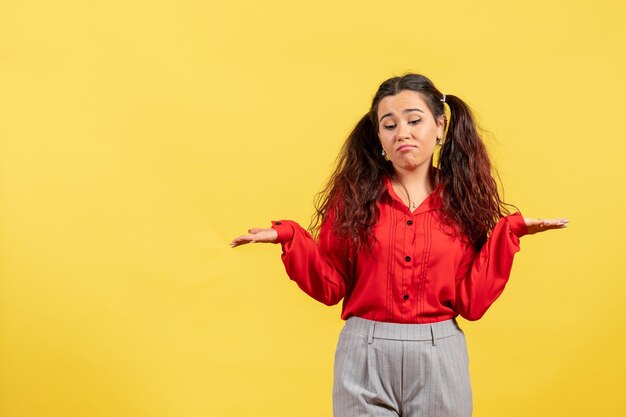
(411, 164)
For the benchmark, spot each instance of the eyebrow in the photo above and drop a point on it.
(403, 111)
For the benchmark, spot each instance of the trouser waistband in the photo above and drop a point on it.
(401, 331)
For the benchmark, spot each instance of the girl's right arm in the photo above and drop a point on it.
(322, 269)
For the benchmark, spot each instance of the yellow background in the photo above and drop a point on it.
(138, 138)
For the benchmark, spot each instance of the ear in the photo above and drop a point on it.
(442, 121)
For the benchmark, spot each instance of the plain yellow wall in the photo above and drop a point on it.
(138, 138)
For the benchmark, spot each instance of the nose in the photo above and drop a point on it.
(403, 131)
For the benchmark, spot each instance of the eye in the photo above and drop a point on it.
(389, 127)
(414, 122)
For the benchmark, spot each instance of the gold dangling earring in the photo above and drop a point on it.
(384, 155)
(439, 141)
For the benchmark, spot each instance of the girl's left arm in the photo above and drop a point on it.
(482, 275)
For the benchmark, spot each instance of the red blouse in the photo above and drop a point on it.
(417, 273)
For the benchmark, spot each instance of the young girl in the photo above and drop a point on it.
(408, 247)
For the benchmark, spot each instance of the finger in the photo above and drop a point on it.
(559, 220)
(242, 240)
(239, 243)
(544, 223)
(553, 222)
(551, 227)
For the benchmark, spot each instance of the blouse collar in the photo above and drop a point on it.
(431, 202)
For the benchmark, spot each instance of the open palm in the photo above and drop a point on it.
(256, 234)
(540, 225)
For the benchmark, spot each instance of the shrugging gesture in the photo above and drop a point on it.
(408, 246)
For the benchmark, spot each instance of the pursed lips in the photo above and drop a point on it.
(405, 146)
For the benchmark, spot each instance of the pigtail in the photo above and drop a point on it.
(472, 194)
(354, 187)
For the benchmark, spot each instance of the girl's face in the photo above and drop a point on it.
(408, 130)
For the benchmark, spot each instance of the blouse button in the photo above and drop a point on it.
(407, 258)
(409, 222)
(406, 296)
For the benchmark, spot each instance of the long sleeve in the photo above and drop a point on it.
(320, 269)
(482, 276)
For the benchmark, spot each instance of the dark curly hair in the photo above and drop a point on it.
(470, 198)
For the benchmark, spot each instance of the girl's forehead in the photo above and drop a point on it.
(404, 100)
(404, 96)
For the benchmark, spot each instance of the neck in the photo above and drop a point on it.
(420, 179)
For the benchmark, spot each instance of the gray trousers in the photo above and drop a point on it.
(409, 370)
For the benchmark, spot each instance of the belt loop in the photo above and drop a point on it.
(432, 333)
(370, 335)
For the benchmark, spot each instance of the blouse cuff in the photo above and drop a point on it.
(518, 225)
(284, 230)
